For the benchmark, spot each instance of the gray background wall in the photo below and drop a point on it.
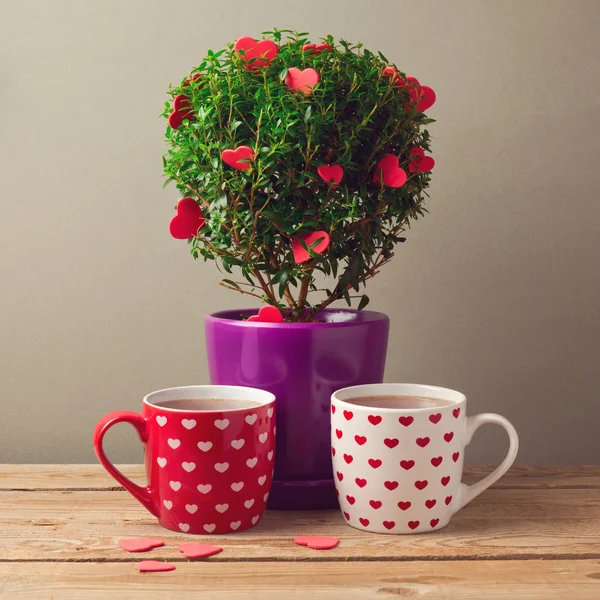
(496, 293)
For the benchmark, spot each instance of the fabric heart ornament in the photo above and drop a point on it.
(192, 79)
(316, 48)
(301, 253)
(389, 172)
(331, 174)
(188, 220)
(182, 111)
(239, 158)
(421, 95)
(267, 314)
(249, 49)
(395, 76)
(301, 81)
(419, 163)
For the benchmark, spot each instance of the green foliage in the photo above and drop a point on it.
(353, 117)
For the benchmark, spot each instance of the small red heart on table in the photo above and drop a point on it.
(301, 81)
(331, 174)
(317, 542)
(388, 170)
(188, 220)
(154, 566)
(198, 550)
(419, 163)
(267, 314)
(239, 158)
(263, 51)
(140, 544)
(316, 48)
(395, 76)
(181, 111)
(300, 253)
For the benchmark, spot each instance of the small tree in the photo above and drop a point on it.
(300, 158)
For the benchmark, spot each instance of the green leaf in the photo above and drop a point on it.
(233, 284)
(307, 113)
(363, 302)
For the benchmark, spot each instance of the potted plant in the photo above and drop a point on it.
(298, 163)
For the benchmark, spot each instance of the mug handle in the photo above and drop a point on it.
(143, 494)
(469, 492)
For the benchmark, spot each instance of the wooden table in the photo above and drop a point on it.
(535, 534)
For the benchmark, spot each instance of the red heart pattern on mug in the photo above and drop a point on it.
(302, 80)
(255, 53)
(239, 158)
(301, 253)
(188, 221)
(389, 172)
(404, 469)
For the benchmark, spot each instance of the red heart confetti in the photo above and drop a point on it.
(360, 482)
(389, 171)
(188, 220)
(317, 542)
(391, 442)
(395, 76)
(199, 550)
(421, 485)
(140, 544)
(331, 174)
(364, 522)
(374, 462)
(316, 48)
(374, 419)
(267, 314)
(239, 158)
(154, 566)
(360, 439)
(407, 465)
(182, 111)
(430, 503)
(404, 505)
(437, 461)
(435, 418)
(419, 163)
(263, 51)
(456, 412)
(301, 253)
(406, 421)
(389, 524)
(422, 442)
(301, 81)
(376, 504)
(390, 485)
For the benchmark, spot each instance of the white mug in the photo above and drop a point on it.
(398, 470)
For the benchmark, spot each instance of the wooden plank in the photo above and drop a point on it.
(446, 580)
(63, 525)
(94, 477)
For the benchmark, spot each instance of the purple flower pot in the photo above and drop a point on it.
(302, 364)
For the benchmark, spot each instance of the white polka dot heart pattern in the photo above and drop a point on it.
(398, 470)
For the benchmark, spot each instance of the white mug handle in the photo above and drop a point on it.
(469, 492)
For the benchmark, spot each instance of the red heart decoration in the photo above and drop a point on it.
(364, 522)
(388, 169)
(445, 481)
(427, 98)
(332, 451)
(374, 462)
(154, 566)
(188, 220)
(421, 485)
(430, 503)
(436, 462)
(333, 409)
(414, 89)
(455, 456)
(140, 544)
(233, 158)
(348, 458)
(448, 436)
(423, 442)
(340, 476)
(376, 504)
(198, 550)
(263, 51)
(348, 414)
(456, 412)
(407, 465)
(406, 421)
(404, 505)
(267, 314)
(395, 76)
(339, 433)
(346, 516)
(435, 418)
(448, 500)
(302, 81)
(391, 442)
(331, 174)
(301, 254)
(420, 163)
(390, 485)
(374, 419)
(351, 499)
(413, 524)
(360, 439)
(360, 482)
(434, 522)
(316, 48)
(194, 77)
(317, 542)
(181, 111)
(389, 524)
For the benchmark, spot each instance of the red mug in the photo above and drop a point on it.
(209, 454)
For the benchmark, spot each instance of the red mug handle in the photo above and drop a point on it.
(143, 494)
